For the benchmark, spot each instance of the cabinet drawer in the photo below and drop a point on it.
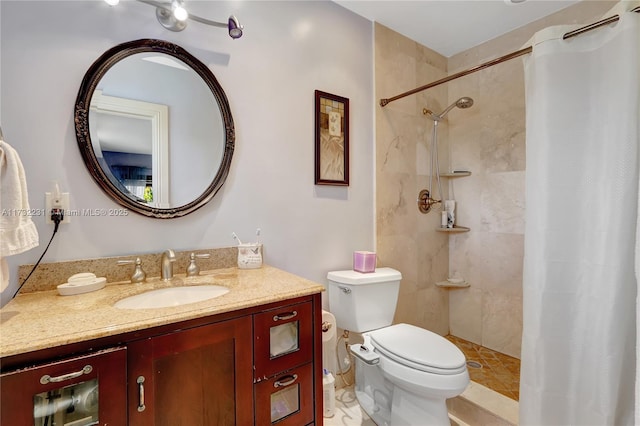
(286, 399)
(88, 389)
(283, 338)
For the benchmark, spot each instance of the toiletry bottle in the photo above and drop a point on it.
(329, 393)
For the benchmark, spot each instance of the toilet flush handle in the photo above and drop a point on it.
(345, 290)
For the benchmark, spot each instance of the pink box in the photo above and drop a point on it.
(364, 261)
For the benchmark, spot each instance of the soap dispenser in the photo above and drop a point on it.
(193, 269)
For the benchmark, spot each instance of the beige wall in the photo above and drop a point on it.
(487, 139)
(406, 239)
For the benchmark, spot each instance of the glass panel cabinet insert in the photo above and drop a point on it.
(82, 391)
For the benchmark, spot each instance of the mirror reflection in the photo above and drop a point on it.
(159, 134)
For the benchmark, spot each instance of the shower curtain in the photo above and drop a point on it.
(579, 312)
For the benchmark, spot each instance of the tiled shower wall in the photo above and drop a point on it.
(489, 140)
(406, 239)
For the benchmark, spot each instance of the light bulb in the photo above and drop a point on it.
(112, 2)
(179, 12)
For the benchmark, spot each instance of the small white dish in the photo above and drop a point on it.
(79, 286)
(455, 280)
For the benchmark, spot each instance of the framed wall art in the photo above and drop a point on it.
(331, 139)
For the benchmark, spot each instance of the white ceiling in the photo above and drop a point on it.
(452, 26)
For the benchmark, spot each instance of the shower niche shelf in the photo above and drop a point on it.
(455, 174)
(454, 230)
(453, 284)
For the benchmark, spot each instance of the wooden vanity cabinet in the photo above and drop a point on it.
(198, 376)
(284, 379)
(87, 389)
(283, 338)
(224, 369)
(287, 399)
(261, 368)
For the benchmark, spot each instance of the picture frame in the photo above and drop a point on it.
(331, 139)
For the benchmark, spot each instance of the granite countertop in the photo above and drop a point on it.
(44, 319)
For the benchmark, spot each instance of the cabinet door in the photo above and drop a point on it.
(283, 338)
(286, 399)
(200, 376)
(81, 391)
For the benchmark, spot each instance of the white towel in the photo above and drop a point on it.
(18, 233)
(4, 274)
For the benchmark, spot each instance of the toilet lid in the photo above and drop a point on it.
(419, 348)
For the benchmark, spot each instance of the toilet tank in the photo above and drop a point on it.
(363, 301)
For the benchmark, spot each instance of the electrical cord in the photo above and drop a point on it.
(56, 216)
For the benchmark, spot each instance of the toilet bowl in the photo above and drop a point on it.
(404, 373)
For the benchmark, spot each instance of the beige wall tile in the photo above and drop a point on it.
(406, 239)
(502, 323)
(465, 321)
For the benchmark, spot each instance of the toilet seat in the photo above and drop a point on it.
(418, 348)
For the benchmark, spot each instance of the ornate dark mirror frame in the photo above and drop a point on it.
(81, 116)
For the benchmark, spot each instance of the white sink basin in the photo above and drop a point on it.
(171, 296)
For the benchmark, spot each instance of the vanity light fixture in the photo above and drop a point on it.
(179, 12)
(235, 29)
(174, 16)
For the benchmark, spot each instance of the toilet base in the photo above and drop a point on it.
(410, 410)
(390, 405)
(374, 393)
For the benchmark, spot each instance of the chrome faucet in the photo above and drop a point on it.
(168, 257)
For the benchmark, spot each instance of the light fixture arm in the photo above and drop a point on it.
(207, 21)
(164, 13)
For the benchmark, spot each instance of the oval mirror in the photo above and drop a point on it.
(154, 128)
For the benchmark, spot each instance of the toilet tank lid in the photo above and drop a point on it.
(355, 277)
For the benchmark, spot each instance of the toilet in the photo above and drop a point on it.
(404, 374)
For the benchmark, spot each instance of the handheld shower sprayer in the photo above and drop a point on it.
(425, 197)
(462, 103)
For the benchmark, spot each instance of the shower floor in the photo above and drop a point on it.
(492, 369)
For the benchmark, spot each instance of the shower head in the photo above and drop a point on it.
(462, 103)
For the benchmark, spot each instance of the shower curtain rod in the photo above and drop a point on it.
(521, 52)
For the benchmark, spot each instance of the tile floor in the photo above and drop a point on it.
(349, 413)
(498, 371)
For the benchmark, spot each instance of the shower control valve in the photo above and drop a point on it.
(425, 202)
